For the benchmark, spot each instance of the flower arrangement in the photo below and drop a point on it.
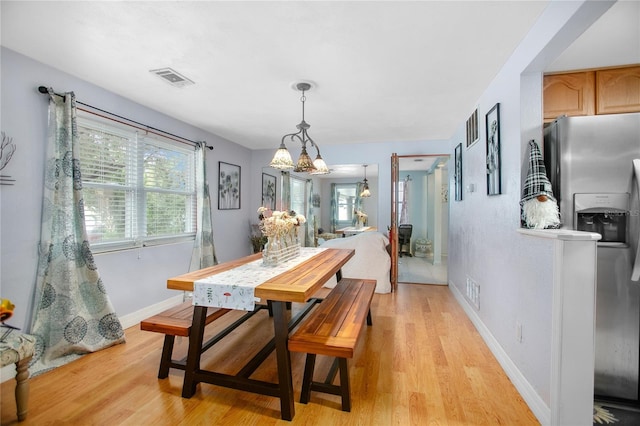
(361, 217)
(279, 223)
(281, 230)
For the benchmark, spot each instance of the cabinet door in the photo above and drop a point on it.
(569, 94)
(618, 90)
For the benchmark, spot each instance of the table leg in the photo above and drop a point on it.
(195, 350)
(285, 381)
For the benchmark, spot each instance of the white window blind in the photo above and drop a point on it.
(138, 189)
(298, 195)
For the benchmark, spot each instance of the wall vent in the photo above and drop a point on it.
(172, 77)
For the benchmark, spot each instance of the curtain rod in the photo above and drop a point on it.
(45, 91)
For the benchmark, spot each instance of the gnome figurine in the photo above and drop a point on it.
(539, 207)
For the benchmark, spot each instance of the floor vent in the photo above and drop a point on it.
(172, 77)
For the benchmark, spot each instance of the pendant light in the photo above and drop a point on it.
(365, 191)
(282, 159)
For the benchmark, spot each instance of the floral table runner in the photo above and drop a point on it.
(234, 289)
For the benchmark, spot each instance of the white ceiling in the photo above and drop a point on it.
(384, 71)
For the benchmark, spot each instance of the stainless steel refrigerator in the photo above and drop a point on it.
(590, 162)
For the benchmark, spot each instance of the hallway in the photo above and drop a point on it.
(420, 270)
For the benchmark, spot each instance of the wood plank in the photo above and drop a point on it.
(176, 321)
(334, 327)
(296, 285)
(300, 283)
(185, 282)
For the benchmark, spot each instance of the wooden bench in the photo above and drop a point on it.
(175, 321)
(333, 329)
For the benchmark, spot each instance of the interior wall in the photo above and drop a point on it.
(136, 278)
(514, 273)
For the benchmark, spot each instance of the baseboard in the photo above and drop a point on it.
(134, 318)
(539, 408)
(9, 372)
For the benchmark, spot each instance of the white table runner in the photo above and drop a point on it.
(234, 289)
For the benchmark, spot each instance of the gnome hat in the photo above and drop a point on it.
(537, 183)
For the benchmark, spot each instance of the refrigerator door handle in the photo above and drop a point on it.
(635, 272)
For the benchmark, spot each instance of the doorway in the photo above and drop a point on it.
(420, 219)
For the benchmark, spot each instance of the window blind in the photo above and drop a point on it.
(138, 189)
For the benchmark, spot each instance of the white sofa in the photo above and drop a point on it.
(371, 260)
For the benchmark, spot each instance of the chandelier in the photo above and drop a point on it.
(365, 190)
(282, 158)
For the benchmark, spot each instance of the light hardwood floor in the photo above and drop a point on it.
(421, 363)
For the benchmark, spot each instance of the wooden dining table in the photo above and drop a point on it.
(297, 284)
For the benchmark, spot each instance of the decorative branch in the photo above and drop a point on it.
(7, 149)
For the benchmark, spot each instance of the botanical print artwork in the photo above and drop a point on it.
(7, 149)
(269, 191)
(457, 176)
(228, 186)
(493, 150)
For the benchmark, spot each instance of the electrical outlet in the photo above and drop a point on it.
(518, 331)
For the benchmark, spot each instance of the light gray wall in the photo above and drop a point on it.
(136, 278)
(514, 272)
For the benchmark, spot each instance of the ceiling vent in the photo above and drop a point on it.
(172, 77)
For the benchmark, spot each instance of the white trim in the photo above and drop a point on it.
(539, 408)
(135, 318)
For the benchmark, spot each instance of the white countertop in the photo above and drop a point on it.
(561, 234)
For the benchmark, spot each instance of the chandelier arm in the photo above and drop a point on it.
(292, 135)
(313, 144)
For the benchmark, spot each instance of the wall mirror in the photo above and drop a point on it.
(315, 198)
(420, 213)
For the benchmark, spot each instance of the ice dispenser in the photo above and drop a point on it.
(605, 214)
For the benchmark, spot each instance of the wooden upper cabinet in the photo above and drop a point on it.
(590, 92)
(569, 94)
(618, 90)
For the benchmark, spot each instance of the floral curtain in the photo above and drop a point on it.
(286, 192)
(72, 313)
(310, 234)
(334, 207)
(204, 252)
(357, 203)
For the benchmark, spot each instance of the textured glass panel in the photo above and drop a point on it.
(105, 212)
(167, 214)
(104, 156)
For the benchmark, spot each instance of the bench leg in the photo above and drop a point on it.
(283, 358)
(307, 378)
(369, 321)
(165, 360)
(344, 385)
(195, 350)
(22, 387)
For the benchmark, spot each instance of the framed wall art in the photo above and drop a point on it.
(228, 186)
(492, 120)
(457, 174)
(269, 191)
(472, 128)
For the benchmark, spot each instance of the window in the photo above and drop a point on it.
(345, 202)
(401, 202)
(138, 189)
